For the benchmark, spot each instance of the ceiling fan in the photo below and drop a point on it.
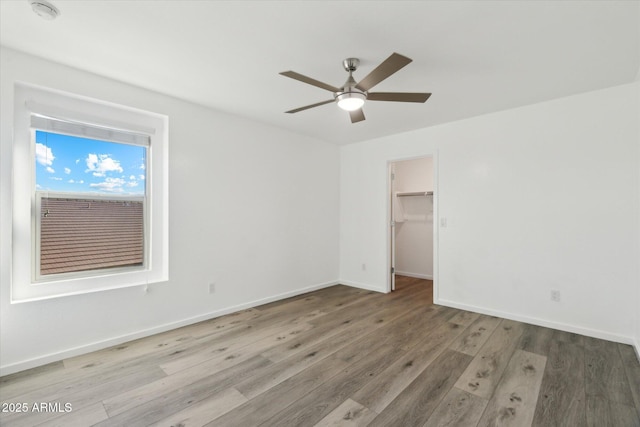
(351, 95)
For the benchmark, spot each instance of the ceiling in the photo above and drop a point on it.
(476, 57)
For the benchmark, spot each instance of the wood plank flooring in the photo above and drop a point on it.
(339, 357)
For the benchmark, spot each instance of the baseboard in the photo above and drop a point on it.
(362, 286)
(100, 345)
(415, 275)
(595, 333)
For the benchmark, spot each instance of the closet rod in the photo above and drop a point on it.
(416, 193)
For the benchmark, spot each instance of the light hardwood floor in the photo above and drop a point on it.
(340, 356)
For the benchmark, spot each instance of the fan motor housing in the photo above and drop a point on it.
(351, 64)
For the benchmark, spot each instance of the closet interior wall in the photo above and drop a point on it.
(413, 215)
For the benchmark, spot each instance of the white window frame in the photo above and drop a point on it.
(30, 100)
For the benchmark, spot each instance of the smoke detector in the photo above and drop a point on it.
(44, 9)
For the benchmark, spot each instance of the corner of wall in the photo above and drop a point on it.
(637, 337)
(365, 286)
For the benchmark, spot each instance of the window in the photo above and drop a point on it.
(84, 233)
(91, 177)
(90, 203)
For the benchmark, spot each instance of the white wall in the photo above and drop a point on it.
(537, 198)
(637, 337)
(251, 207)
(414, 230)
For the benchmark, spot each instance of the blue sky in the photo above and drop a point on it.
(80, 165)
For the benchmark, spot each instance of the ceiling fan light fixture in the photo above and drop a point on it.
(350, 101)
(352, 95)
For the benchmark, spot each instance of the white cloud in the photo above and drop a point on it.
(132, 184)
(81, 181)
(132, 177)
(67, 171)
(77, 161)
(141, 177)
(44, 155)
(100, 164)
(50, 169)
(142, 166)
(92, 161)
(110, 184)
(55, 178)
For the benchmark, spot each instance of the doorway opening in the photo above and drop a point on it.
(412, 231)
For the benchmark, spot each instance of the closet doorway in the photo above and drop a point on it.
(411, 231)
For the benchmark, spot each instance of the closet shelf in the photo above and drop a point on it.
(414, 193)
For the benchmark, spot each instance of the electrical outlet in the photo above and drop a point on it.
(555, 295)
(212, 287)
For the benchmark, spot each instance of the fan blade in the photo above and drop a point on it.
(356, 115)
(382, 71)
(398, 96)
(309, 80)
(310, 106)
